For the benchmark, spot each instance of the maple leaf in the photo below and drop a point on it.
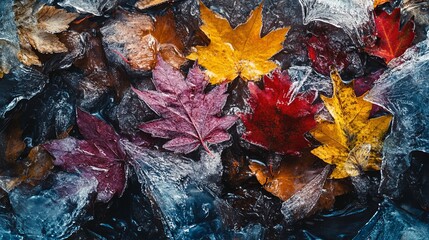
(188, 114)
(237, 52)
(140, 39)
(351, 128)
(380, 2)
(37, 27)
(276, 123)
(99, 155)
(392, 41)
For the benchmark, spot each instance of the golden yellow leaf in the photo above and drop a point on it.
(351, 128)
(237, 52)
(36, 30)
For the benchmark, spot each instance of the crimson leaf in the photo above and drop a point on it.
(189, 116)
(99, 155)
(275, 124)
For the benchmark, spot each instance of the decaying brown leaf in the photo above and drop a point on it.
(293, 175)
(37, 26)
(139, 39)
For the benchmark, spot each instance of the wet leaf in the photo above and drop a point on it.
(37, 26)
(392, 40)
(144, 4)
(276, 123)
(237, 52)
(138, 39)
(351, 127)
(99, 155)
(189, 116)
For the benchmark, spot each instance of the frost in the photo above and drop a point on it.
(353, 16)
(55, 211)
(9, 45)
(96, 7)
(403, 90)
(391, 222)
(181, 194)
(305, 79)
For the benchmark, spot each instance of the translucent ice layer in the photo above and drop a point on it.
(403, 90)
(96, 7)
(9, 45)
(351, 15)
(52, 212)
(22, 83)
(183, 192)
(391, 222)
(305, 79)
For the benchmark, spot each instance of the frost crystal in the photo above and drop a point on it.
(403, 89)
(351, 15)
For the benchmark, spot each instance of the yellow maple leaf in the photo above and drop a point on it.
(352, 128)
(380, 2)
(237, 52)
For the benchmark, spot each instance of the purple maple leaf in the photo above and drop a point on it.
(99, 155)
(189, 116)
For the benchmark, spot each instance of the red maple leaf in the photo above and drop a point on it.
(392, 41)
(276, 124)
(99, 155)
(189, 115)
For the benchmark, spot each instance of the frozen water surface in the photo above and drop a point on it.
(52, 212)
(403, 89)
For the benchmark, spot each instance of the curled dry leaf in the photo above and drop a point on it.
(237, 52)
(276, 123)
(37, 26)
(351, 127)
(139, 39)
(189, 115)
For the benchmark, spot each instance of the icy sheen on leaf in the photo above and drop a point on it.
(351, 127)
(189, 116)
(99, 155)
(276, 123)
(237, 52)
(392, 40)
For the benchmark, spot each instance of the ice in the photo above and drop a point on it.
(53, 111)
(301, 204)
(305, 79)
(9, 45)
(52, 212)
(353, 16)
(95, 7)
(22, 83)
(403, 90)
(391, 222)
(180, 193)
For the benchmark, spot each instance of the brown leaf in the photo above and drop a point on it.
(139, 39)
(145, 4)
(37, 26)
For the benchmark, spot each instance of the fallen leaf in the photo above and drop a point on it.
(275, 123)
(99, 155)
(140, 40)
(237, 52)
(351, 128)
(293, 175)
(37, 26)
(189, 116)
(392, 40)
